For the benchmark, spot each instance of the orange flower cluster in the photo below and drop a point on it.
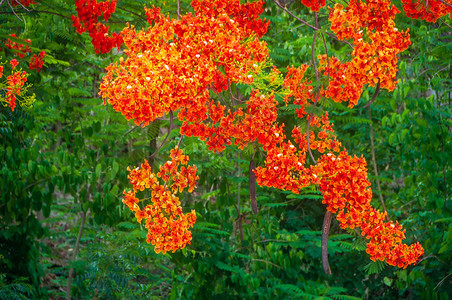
(36, 62)
(25, 3)
(254, 124)
(299, 87)
(429, 11)
(376, 44)
(246, 15)
(285, 164)
(314, 5)
(168, 227)
(15, 84)
(20, 49)
(173, 64)
(343, 180)
(88, 11)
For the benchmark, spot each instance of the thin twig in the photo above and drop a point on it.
(313, 50)
(232, 96)
(445, 3)
(35, 183)
(52, 13)
(307, 139)
(178, 9)
(180, 141)
(377, 90)
(219, 95)
(441, 281)
(445, 23)
(318, 92)
(74, 256)
(129, 11)
(290, 13)
(327, 61)
(374, 162)
(325, 233)
(166, 137)
(14, 12)
(267, 262)
(131, 129)
(18, 1)
(309, 25)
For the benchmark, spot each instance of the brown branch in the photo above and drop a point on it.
(178, 9)
(313, 50)
(166, 137)
(52, 13)
(232, 96)
(178, 144)
(290, 13)
(240, 215)
(374, 162)
(252, 186)
(445, 23)
(131, 12)
(309, 25)
(445, 3)
(14, 12)
(325, 233)
(377, 90)
(131, 129)
(74, 256)
(307, 140)
(23, 6)
(267, 262)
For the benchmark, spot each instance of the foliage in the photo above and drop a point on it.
(65, 159)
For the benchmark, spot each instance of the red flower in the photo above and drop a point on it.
(14, 63)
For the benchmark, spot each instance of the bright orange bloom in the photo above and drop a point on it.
(314, 5)
(21, 49)
(429, 11)
(88, 12)
(175, 65)
(168, 227)
(376, 43)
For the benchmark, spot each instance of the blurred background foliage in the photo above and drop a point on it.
(64, 231)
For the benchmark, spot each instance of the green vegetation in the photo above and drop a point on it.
(63, 170)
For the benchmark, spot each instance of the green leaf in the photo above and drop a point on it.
(388, 281)
(114, 169)
(391, 138)
(98, 170)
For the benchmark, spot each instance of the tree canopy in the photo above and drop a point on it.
(234, 132)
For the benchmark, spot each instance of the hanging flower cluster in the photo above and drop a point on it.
(246, 15)
(314, 5)
(176, 65)
(173, 64)
(376, 43)
(20, 50)
(14, 87)
(429, 11)
(168, 227)
(346, 192)
(88, 12)
(37, 61)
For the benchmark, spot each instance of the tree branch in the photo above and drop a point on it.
(166, 137)
(325, 233)
(377, 90)
(290, 13)
(374, 162)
